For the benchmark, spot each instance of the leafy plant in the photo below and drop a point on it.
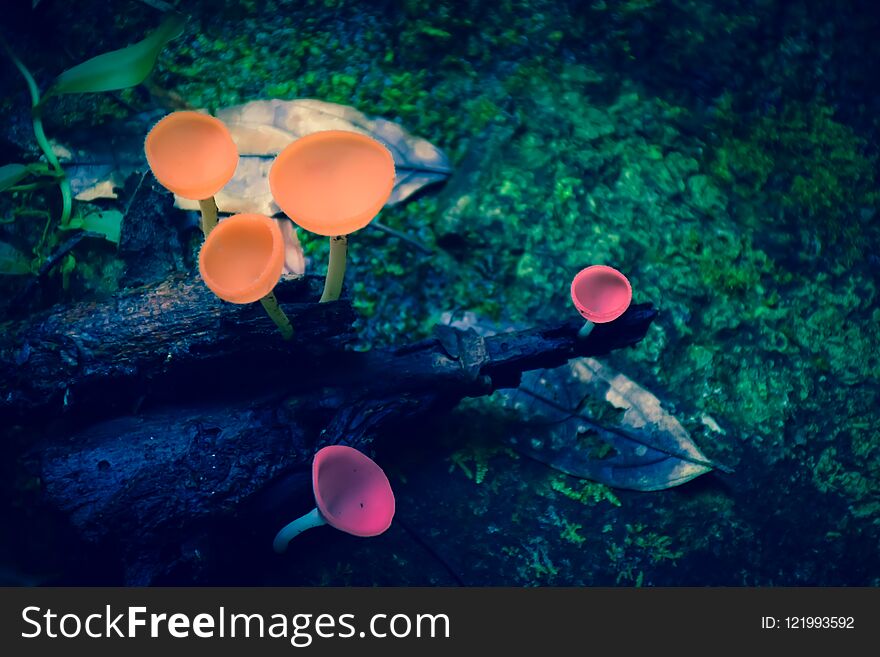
(10, 174)
(114, 70)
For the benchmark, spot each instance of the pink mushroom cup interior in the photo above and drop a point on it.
(351, 491)
(601, 294)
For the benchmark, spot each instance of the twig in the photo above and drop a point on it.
(63, 250)
(158, 4)
(402, 236)
(47, 266)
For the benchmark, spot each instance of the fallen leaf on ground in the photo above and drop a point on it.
(260, 129)
(294, 258)
(643, 448)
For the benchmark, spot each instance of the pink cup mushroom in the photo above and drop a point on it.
(352, 494)
(601, 294)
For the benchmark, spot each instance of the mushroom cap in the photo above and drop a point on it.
(242, 258)
(332, 182)
(192, 154)
(351, 491)
(601, 293)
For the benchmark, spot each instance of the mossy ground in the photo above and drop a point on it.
(722, 154)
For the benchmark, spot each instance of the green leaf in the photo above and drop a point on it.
(11, 174)
(12, 261)
(107, 223)
(118, 69)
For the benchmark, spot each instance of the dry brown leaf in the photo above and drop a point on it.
(642, 409)
(645, 448)
(262, 128)
(294, 259)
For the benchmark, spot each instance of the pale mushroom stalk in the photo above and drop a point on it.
(586, 329)
(335, 268)
(290, 531)
(352, 494)
(208, 209)
(333, 183)
(270, 305)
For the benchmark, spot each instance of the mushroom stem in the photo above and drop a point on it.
(289, 532)
(586, 329)
(335, 268)
(270, 304)
(208, 207)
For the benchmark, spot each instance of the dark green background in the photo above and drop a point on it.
(721, 153)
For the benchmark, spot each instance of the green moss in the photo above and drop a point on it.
(705, 195)
(588, 493)
(570, 533)
(831, 475)
(811, 166)
(473, 460)
(539, 564)
(640, 550)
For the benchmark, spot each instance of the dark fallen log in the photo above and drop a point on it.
(163, 342)
(159, 485)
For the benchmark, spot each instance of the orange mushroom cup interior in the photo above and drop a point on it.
(192, 154)
(332, 182)
(242, 259)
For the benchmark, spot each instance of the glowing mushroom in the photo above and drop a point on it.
(352, 494)
(193, 155)
(601, 294)
(241, 262)
(333, 183)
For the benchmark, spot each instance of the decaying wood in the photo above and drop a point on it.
(158, 342)
(156, 485)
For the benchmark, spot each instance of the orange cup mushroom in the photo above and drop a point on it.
(333, 183)
(242, 260)
(193, 155)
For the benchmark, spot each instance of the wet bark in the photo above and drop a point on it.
(156, 343)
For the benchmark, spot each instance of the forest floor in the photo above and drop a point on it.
(722, 155)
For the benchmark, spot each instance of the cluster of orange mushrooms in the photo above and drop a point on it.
(332, 183)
